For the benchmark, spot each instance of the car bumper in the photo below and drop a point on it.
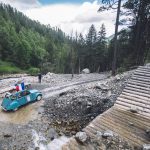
(3, 108)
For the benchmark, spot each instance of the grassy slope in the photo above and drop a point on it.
(7, 68)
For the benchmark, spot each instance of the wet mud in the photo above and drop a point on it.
(23, 115)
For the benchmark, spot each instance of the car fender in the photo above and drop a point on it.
(37, 94)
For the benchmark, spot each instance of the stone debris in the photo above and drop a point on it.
(99, 134)
(134, 109)
(52, 134)
(146, 147)
(83, 103)
(108, 134)
(81, 137)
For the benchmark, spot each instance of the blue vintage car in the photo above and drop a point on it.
(12, 102)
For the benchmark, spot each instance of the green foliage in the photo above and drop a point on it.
(33, 71)
(8, 68)
(121, 70)
(28, 44)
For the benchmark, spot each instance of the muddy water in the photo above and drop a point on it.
(22, 115)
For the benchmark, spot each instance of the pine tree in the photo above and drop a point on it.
(91, 36)
(91, 39)
(100, 56)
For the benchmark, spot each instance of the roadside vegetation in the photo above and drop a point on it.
(8, 68)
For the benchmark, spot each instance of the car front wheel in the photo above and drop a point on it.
(15, 109)
(39, 97)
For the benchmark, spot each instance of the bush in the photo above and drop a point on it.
(121, 70)
(8, 68)
(33, 71)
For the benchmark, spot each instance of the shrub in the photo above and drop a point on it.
(8, 68)
(121, 70)
(33, 71)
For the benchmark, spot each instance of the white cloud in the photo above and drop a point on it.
(76, 17)
(22, 5)
(68, 17)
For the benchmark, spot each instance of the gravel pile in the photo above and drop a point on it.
(70, 111)
(60, 79)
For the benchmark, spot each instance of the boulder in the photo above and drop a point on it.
(85, 71)
(50, 74)
(108, 133)
(102, 87)
(146, 147)
(134, 109)
(81, 137)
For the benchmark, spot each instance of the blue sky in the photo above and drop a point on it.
(63, 1)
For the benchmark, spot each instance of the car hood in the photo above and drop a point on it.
(34, 91)
(6, 102)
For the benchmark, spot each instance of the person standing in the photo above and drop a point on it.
(39, 77)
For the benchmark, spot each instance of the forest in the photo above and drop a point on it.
(27, 45)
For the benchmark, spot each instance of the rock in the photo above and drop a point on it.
(148, 131)
(89, 103)
(118, 77)
(49, 74)
(108, 133)
(131, 123)
(7, 135)
(81, 137)
(146, 147)
(99, 134)
(109, 93)
(37, 148)
(52, 134)
(103, 87)
(85, 71)
(63, 93)
(92, 117)
(103, 146)
(134, 109)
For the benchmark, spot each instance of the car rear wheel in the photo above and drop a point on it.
(39, 97)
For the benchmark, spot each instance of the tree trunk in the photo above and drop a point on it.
(79, 66)
(115, 40)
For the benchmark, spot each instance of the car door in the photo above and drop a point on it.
(21, 98)
(28, 97)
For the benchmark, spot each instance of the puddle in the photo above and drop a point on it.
(41, 143)
(22, 115)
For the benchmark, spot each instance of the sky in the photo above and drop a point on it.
(70, 16)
